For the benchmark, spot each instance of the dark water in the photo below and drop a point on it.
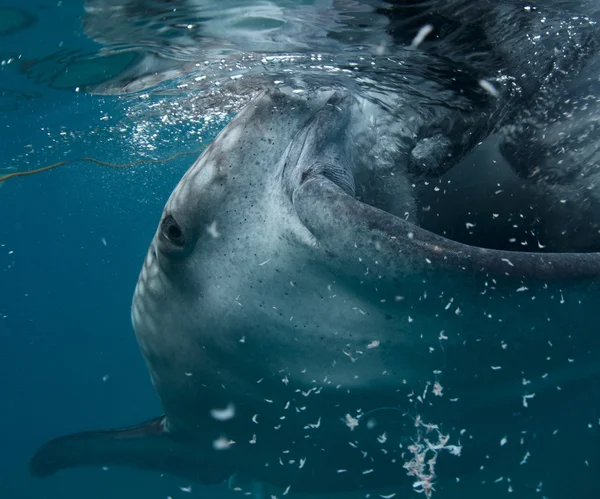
(121, 81)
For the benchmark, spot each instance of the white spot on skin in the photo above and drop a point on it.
(223, 414)
(212, 230)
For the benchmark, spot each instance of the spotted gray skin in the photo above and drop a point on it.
(271, 287)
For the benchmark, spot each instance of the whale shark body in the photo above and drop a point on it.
(283, 319)
(302, 330)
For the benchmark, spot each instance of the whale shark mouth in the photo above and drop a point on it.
(347, 228)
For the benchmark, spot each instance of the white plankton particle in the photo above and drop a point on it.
(222, 443)
(186, 489)
(437, 389)
(527, 396)
(253, 441)
(525, 458)
(389, 496)
(506, 260)
(105, 378)
(313, 425)
(351, 422)
(223, 414)
(455, 450)
(212, 230)
(285, 492)
(382, 438)
(255, 419)
(522, 288)
(367, 472)
(489, 88)
(302, 461)
(341, 471)
(421, 35)
(503, 441)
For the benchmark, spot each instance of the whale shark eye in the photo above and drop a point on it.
(171, 230)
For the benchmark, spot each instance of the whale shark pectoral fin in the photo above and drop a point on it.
(146, 446)
(354, 233)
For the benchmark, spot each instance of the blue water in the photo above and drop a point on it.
(65, 296)
(72, 242)
(66, 301)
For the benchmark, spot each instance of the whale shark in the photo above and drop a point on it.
(309, 339)
(303, 331)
